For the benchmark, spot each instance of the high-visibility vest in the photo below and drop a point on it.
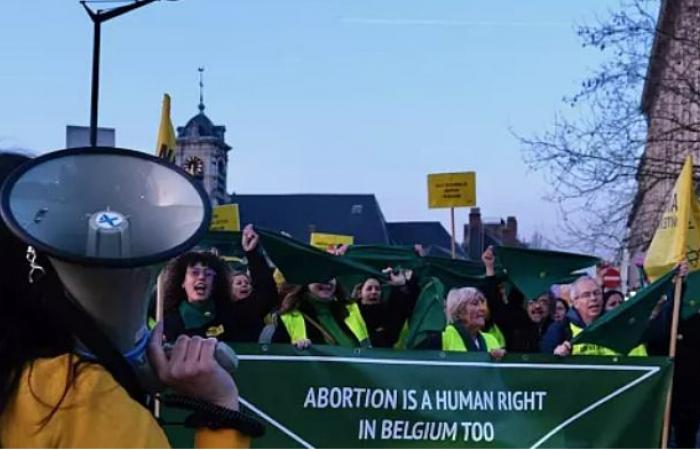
(497, 334)
(295, 324)
(595, 349)
(452, 341)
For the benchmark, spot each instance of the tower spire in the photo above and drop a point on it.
(201, 89)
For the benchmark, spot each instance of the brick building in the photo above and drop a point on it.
(671, 105)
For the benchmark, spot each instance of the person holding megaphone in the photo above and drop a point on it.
(61, 386)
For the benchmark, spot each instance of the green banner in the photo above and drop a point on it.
(330, 397)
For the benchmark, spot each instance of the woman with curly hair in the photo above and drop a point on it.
(196, 296)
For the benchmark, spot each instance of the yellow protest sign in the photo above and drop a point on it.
(678, 234)
(225, 218)
(451, 190)
(325, 240)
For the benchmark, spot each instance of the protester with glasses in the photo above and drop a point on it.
(587, 306)
(196, 296)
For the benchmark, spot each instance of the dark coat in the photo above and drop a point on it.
(386, 319)
(522, 334)
(245, 319)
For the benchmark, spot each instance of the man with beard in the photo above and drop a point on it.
(587, 299)
(521, 326)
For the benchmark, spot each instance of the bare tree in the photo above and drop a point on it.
(596, 160)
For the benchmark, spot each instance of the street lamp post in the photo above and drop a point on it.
(98, 17)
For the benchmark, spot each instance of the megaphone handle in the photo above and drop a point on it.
(226, 357)
(223, 354)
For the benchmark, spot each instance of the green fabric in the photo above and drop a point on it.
(457, 266)
(622, 328)
(379, 257)
(383, 256)
(327, 321)
(429, 313)
(534, 271)
(197, 314)
(691, 295)
(452, 272)
(303, 264)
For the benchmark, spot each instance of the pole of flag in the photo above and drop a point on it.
(452, 216)
(672, 354)
(625, 266)
(677, 231)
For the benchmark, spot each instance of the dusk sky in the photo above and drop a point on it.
(317, 96)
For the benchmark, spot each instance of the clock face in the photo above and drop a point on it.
(194, 166)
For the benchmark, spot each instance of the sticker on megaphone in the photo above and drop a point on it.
(224, 355)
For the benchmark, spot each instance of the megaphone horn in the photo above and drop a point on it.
(107, 218)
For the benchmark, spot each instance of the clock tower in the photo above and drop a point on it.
(203, 153)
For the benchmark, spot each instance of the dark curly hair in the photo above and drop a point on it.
(174, 294)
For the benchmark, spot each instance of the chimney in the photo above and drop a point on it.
(510, 233)
(476, 235)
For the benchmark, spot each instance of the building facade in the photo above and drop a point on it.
(671, 105)
(202, 151)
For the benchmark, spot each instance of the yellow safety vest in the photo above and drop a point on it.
(452, 341)
(497, 335)
(595, 349)
(295, 324)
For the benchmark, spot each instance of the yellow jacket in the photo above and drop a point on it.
(594, 349)
(94, 411)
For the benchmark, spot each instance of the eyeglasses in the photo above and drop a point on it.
(196, 272)
(587, 295)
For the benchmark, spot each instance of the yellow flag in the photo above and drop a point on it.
(678, 235)
(165, 147)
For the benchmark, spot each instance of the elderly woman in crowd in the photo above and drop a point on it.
(465, 309)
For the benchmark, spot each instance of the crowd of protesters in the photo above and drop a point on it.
(487, 318)
(205, 296)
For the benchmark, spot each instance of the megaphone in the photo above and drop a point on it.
(107, 218)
